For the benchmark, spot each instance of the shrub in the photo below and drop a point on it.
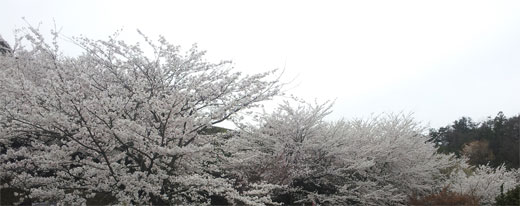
(511, 197)
(444, 197)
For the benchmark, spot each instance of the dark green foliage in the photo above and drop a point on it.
(102, 198)
(291, 196)
(7, 197)
(511, 197)
(298, 191)
(452, 138)
(500, 133)
(214, 130)
(218, 200)
(5, 49)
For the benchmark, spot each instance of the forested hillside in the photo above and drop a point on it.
(494, 141)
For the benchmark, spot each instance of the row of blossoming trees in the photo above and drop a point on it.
(118, 126)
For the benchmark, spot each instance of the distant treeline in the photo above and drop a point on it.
(494, 141)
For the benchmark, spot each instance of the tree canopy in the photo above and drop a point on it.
(494, 141)
(117, 125)
(116, 121)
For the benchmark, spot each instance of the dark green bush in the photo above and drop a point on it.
(511, 197)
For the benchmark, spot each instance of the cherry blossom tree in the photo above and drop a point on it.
(120, 124)
(379, 161)
(484, 181)
(369, 162)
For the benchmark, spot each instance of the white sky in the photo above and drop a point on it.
(438, 59)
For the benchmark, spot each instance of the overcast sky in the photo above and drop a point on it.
(438, 59)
